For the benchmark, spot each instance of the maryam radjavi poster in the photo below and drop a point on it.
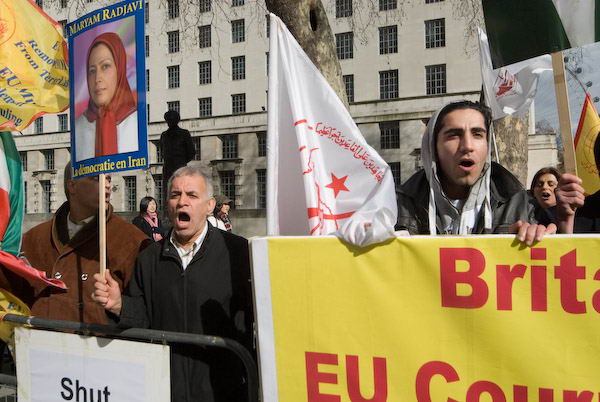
(108, 98)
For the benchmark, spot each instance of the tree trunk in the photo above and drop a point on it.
(511, 137)
(308, 23)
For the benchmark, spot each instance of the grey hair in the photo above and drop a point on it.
(192, 171)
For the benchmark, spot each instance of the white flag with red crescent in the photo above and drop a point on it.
(322, 177)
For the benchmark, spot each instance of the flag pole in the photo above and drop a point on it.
(564, 114)
(102, 222)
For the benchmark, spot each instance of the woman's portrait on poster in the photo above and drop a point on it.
(109, 124)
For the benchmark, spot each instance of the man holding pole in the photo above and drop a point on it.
(461, 191)
(67, 248)
(196, 280)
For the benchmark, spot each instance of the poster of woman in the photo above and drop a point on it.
(107, 107)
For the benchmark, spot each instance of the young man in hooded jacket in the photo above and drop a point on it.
(461, 191)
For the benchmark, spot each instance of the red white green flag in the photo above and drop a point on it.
(12, 208)
(11, 195)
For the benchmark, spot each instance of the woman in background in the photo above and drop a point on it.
(542, 189)
(220, 216)
(147, 221)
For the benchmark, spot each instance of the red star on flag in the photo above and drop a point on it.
(337, 185)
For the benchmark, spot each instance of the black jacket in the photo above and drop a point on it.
(587, 218)
(177, 148)
(145, 227)
(509, 202)
(212, 296)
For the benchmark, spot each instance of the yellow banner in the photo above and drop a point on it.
(429, 319)
(34, 76)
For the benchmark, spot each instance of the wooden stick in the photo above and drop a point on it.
(564, 114)
(102, 222)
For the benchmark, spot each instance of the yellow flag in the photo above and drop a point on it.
(10, 304)
(34, 75)
(587, 133)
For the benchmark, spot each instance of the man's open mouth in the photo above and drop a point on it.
(545, 195)
(183, 217)
(466, 163)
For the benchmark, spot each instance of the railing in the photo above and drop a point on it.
(151, 335)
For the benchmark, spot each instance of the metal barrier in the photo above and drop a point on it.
(143, 334)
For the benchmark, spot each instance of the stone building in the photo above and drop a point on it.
(209, 61)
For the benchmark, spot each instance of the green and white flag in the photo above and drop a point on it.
(522, 29)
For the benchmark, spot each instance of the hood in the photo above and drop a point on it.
(448, 218)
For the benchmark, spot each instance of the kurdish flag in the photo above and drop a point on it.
(522, 29)
(12, 206)
(585, 143)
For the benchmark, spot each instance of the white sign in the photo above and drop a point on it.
(53, 366)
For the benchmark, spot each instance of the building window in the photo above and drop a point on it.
(63, 3)
(173, 41)
(388, 5)
(205, 6)
(388, 39)
(23, 156)
(173, 8)
(344, 45)
(146, 13)
(261, 188)
(173, 105)
(197, 148)
(148, 112)
(38, 125)
(390, 134)
(147, 45)
(262, 143)
(267, 54)
(40, 3)
(147, 80)
(205, 107)
(237, 31)
(229, 146)
(48, 155)
(343, 8)
(204, 72)
(158, 191)
(204, 36)
(130, 193)
(227, 179)
(238, 68)
(63, 122)
(46, 195)
(435, 79)
(432, 1)
(435, 33)
(395, 169)
(349, 85)
(238, 103)
(388, 84)
(236, 3)
(159, 155)
(173, 76)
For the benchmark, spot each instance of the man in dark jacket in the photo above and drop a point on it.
(67, 248)
(177, 146)
(460, 190)
(587, 219)
(196, 280)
